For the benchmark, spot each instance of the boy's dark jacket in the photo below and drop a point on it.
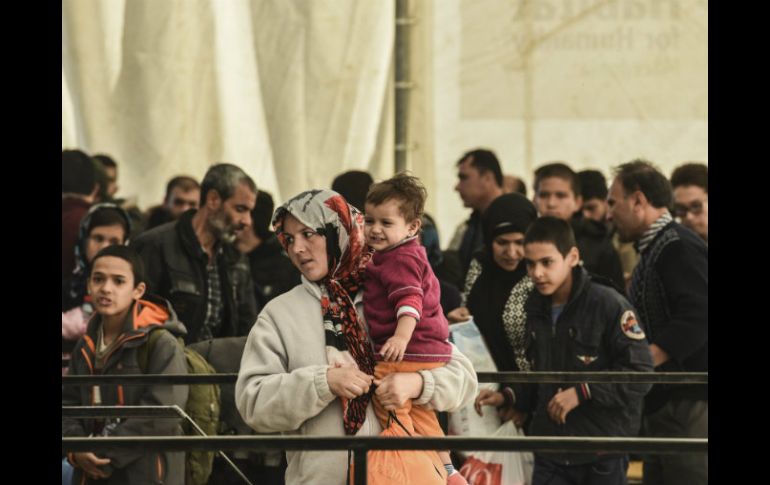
(588, 337)
(135, 466)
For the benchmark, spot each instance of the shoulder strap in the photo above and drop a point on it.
(143, 351)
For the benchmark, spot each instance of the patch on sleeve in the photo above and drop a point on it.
(630, 326)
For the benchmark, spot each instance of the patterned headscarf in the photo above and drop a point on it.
(327, 213)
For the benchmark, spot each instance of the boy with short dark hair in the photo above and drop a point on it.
(559, 193)
(579, 322)
(121, 325)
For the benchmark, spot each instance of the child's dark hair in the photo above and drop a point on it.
(405, 188)
(109, 216)
(552, 230)
(560, 170)
(127, 254)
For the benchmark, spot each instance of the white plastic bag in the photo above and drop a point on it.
(499, 467)
(467, 338)
(465, 421)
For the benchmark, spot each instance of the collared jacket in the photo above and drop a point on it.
(175, 265)
(135, 466)
(597, 330)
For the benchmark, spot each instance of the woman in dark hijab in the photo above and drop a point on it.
(496, 288)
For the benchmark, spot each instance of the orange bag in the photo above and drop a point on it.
(402, 467)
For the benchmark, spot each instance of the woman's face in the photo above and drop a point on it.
(102, 236)
(508, 250)
(306, 248)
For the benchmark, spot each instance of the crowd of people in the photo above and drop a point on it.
(340, 303)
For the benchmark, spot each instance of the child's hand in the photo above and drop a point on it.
(90, 463)
(561, 404)
(459, 314)
(394, 348)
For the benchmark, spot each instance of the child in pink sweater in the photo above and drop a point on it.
(402, 298)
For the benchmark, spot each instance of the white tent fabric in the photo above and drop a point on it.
(299, 91)
(292, 91)
(594, 83)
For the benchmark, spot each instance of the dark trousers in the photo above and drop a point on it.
(608, 471)
(681, 418)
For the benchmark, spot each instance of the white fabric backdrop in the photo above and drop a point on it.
(292, 91)
(298, 91)
(594, 83)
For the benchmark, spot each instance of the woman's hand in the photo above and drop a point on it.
(395, 389)
(488, 397)
(459, 314)
(348, 381)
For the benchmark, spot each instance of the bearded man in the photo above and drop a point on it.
(193, 263)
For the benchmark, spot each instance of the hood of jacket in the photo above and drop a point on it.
(146, 314)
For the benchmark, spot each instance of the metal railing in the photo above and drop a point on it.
(506, 377)
(359, 445)
(173, 411)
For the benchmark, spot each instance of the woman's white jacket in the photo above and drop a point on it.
(282, 384)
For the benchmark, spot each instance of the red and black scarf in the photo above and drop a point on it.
(327, 213)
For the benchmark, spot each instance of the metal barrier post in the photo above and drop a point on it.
(359, 464)
(221, 453)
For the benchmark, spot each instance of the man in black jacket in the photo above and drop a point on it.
(193, 263)
(669, 288)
